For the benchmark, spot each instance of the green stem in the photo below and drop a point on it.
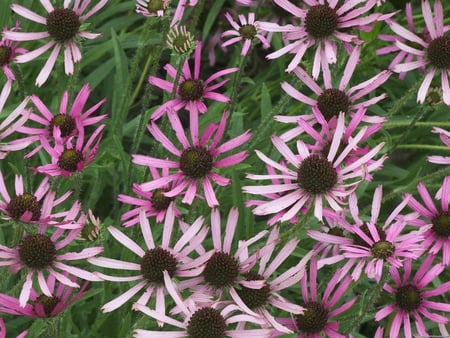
(78, 183)
(145, 114)
(423, 146)
(293, 230)
(420, 113)
(53, 327)
(237, 83)
(373, 296)
(19, 78)
(125, 99)
(396, 124)
(400, 103)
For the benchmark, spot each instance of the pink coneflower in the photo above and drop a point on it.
(39, 254)
(90, 226)
(247, 31)
(225, 270)
(154, 202)
(402, 55)
(274, 196)
(151, 7)
(35, 207)
(324, 139)
(433, 54)
(437, 224)
(331, 101)
(191, 90)
(44, 306)
(323, 22)
(211, 320)
(412, 299)
(196, 161)
(62, 27)
(315, 176)
(8, 51)
(67, 158)
(444, 135)
(317, 318)
(151, 263)
(3, 330)
(11, 124)
(69, 123)
(254, 301)
(374, 244)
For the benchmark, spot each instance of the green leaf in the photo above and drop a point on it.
(212, 18)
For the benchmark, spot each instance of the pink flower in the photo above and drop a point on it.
(322, 23)
(437, 224)
(40, 254)
(315, 176)
(69, 123)
(191, 90)
(375, 244)
(247, 31)
(214, 318)
(151, 7)
(225, 270)
(152, 263)
(324, 139)
(317, 318)
(331, 101)
(179, 11)
(412, 298)
(444, 135)
(431, 53)
(67, 159)
(36, 207)
(255, 301)
(154, 202)
(44, 306)
(196, 161)
(8, 51)
(62, 27)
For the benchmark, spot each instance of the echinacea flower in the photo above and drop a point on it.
(90, 226)
(433, 54)
(151, 7)
(322, 23)
(44, 306)
(180, 40)
(67, 158)
(153, 262)
(331, 101)
(247, 31)
(204, 320)
(8, 51)
(196, 160)
(444, 135)
(226, 267)
(319, 310)
(62, 26)
(36, 207)
(315, 177)
(412, 299)
(376, 243)
(437, 223)
(40, 254)
(255, 301)
(324, 138)
(191, 90)
(179, 11)
(69, 122)
(154, 202)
